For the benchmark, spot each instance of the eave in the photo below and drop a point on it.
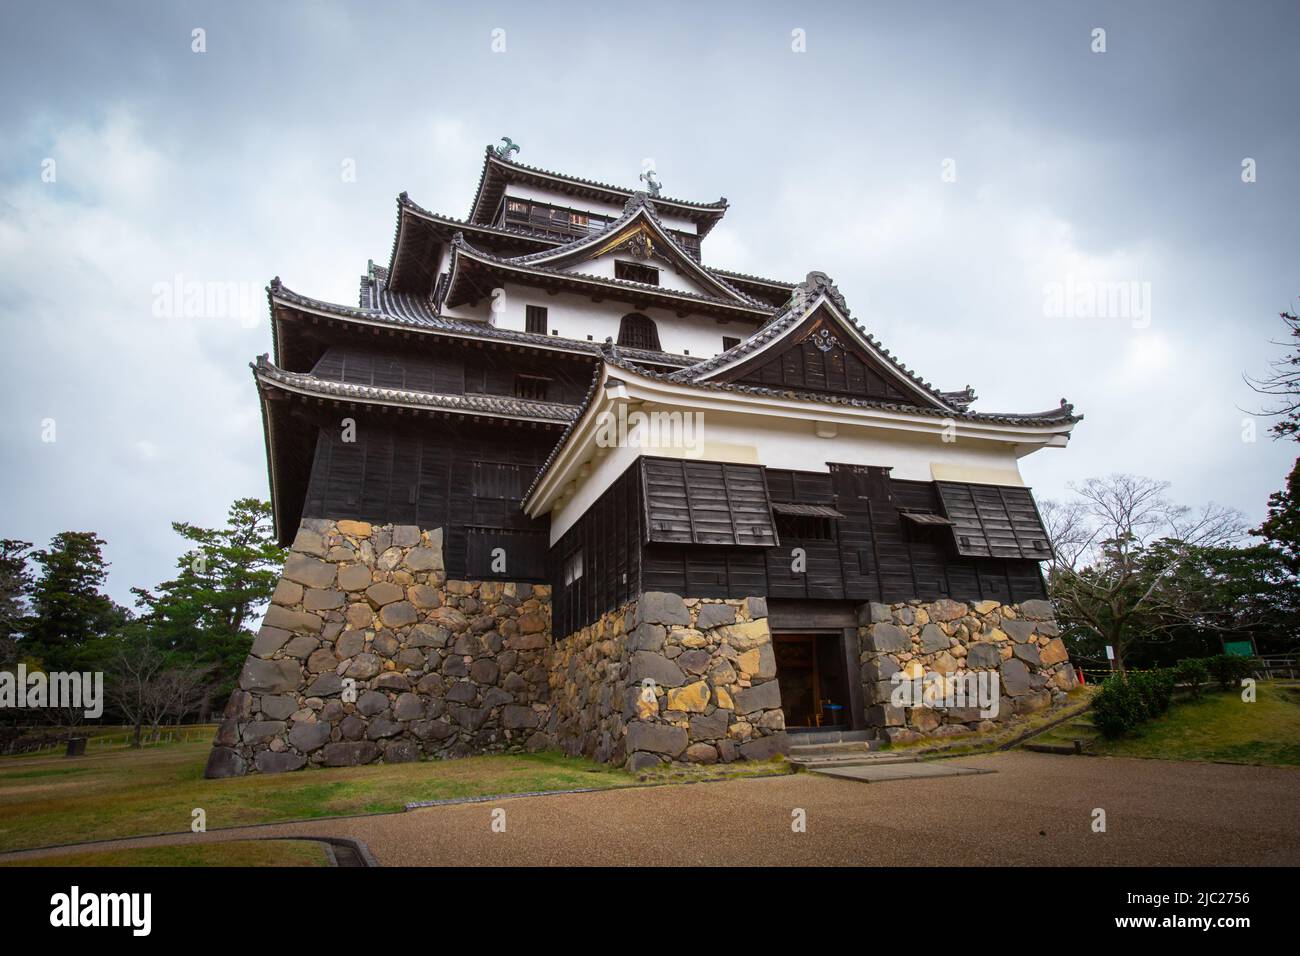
(577, 447)
(498, 172)
(434, 403)
(467, 261)
(638, 218)
(288, 308)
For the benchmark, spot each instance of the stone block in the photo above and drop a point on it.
(1019, 631)
(661, 607)
(693, 698)
(887, 638)
(764, 748)
(287, 620)
(1015, 678)
(710, 726)
(663, 671)
(308, 571)
(714, 615)
(223, 762)
(1053, 652)
(884, 715)
(933, 639)
(269, 640)
(759, 697)
(278, 706)
(350, 754)
(270, 676)
(307, 737)
(399, 614)
(354, 577)
(1028, 653)
(1037, 610)
(982, 654)
(656, 738)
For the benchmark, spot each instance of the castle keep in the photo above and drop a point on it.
(554, 482)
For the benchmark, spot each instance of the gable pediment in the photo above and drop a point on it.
(639, 240)
(822, 353)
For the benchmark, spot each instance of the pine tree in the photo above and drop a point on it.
(203, 616)
(15, 592)
(69, 611)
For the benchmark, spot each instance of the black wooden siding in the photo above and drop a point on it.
(807, 367)
(994, 521)
(465, 478)
(874, 554)
(452, 370)
(705, 502)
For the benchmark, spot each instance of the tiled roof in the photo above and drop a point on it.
(745, 303)
(746, 277)
(815, 284)
(1062, 415)
(410, 310)
(501, 406)
(617, 358)
(639, 205)
(564, 435)
(716, 208)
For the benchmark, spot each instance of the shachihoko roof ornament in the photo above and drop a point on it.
(651, 180)
(507, 151)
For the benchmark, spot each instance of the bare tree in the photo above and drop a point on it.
(134, 668)
(1116, 549)
(1281, 383)
(174, 693)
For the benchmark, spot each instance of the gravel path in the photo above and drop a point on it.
(1035, 809)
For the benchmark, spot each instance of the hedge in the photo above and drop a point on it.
(1125, 703)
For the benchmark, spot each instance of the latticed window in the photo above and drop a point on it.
(637, 331)
(535, 319)
(531, 387)
(635, 272)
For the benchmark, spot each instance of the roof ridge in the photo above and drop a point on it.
(459, 242)
(421, 316)
(720, 203)
(469, 402)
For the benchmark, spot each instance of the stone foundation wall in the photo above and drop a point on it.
(1020, 642)
(669, 679)
(368, 652)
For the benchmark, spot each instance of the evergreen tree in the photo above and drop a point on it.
(69, 611)
(203, 615)
(1282, 526)
(15, 592)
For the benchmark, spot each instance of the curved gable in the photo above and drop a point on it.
(820, 355)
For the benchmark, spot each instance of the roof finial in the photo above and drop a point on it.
(506, 152)
(651, 179)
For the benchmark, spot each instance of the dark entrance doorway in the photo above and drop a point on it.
(810, 673)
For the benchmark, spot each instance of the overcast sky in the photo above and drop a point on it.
(950, 165)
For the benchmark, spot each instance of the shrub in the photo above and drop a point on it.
(1228, 669)
(1124, 704)
(1157, 690)
(1117, 708)
(1193, 673)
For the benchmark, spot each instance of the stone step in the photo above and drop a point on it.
(1042, 748)
(799, 738)
(848, 760)
(854, 747)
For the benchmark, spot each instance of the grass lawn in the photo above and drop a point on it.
(55, 800)
(234, 853)
(1220, 727)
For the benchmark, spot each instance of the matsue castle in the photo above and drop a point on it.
(553, 481)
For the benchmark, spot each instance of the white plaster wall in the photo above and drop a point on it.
(669, 277)
(794, 444)
(577, 317)
(557, 198)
